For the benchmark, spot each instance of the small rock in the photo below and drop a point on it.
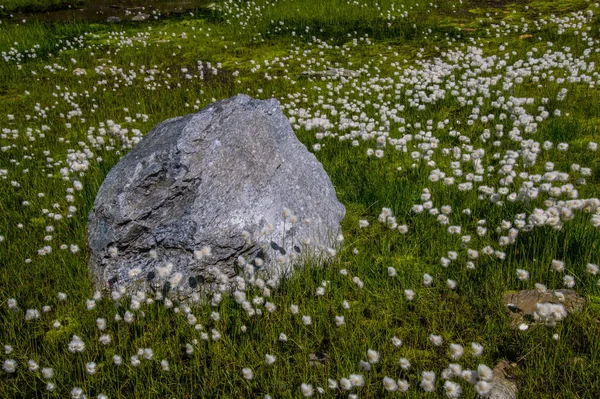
(113, 20)
(140, 17)
(317, 358)
(503, 386)
(522, 305)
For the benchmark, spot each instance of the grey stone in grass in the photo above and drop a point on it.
(113, 20)
(503, 386)
(523, 304)
(202, 180)
(140, 17)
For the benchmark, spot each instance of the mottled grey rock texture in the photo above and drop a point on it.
(202, 180)
(503, 386)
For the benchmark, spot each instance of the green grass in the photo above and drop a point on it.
(41, 90)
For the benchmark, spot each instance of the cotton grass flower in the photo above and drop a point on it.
(522, 274)
(164, 365)
(90, 304)
(428, 381)
(117, 360)
(269, 359)
(389, 384)
(357, 380)
(332, 384)
(364, 366)
(558, 265)
(483, 388)
(356, 280)
(77, 393)
(32, 365)
(101, 324)
(436, 339)
(270, 307)
(247, 373)
(9, 366)
(91, 368)
(456, 351)
(48, 373)
(476, 349)
(135, 360)
(403, 385)
(76, 345)
(373, 356)
(453, 390)
(569, 281)
(404, 363)
(307, 390)
(346, 384)
(427, 279)
(147, 353)
(105, 339)
(541, 288)
(129, 317)
(549, 313)
(189, 349)
(32, 314)
(484, 372)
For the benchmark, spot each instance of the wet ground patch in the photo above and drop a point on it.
(105, 10)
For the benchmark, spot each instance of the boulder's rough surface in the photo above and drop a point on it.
(203, 180)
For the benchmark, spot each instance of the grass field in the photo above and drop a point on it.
(464, 152)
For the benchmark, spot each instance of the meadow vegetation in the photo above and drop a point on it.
(465, 152)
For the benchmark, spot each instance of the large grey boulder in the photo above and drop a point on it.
(219, 178)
